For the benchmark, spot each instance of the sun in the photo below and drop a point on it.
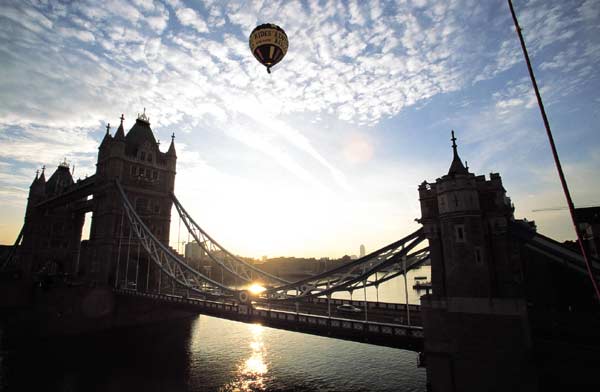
(256, 288)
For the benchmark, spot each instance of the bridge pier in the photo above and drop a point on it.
(42, 313)
(477, 344)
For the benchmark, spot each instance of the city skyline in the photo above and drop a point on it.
(327, 151)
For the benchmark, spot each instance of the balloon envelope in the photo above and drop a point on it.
(268, 43)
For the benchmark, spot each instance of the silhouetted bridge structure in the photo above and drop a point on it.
(504, 298)
(398, 335)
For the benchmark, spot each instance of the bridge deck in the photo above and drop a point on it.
(373, 332)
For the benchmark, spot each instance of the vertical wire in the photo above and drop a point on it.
(377, 288)
(179, 235)
(127, 262)
(119, 251)
(137, 267)
(406, 287)
(366, 306)
(147, 275)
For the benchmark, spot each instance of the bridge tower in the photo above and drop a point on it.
(148, 177)
(51, 238)
(475, 321)
(56, 208)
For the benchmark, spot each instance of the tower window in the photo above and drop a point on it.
(142, 155)
(155, 175)
(149, 157)
(459, 233)
(142, 172)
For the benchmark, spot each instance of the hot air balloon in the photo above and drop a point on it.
(268, 43)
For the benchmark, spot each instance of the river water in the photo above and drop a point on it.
(209, 354)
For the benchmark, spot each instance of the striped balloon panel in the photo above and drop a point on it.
(268, 54)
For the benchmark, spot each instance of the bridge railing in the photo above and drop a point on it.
(302, 322)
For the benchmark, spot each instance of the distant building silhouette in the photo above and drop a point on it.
(362, 251)
(193, 251)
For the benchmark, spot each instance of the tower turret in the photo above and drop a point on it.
(171, 156)
(37, 190)
(118, 146)
(171, 152)
(457, 166)
(120, 135)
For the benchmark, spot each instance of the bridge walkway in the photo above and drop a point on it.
(374, 332)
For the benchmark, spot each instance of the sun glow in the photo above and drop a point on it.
(256, 288)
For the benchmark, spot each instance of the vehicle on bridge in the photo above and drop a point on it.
(347, 308)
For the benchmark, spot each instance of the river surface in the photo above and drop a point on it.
(210, 354)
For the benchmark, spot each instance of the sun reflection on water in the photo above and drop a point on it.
(251, 374)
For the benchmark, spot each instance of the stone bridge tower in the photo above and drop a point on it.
(56, 208)
(475, 322)
(51, 237)
(148, 177)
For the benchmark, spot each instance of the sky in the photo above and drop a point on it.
(325, 153)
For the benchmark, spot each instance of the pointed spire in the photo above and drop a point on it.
(457, 166)
(120, 135)
(38, 185)
(37, 173)
(453, 138)
(42, 179)
(107, 136)
(171, 152)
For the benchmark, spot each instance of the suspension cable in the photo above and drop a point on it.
(561, 175)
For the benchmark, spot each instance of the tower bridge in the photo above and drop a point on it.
(501, 292)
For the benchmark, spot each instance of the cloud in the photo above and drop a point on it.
(44, 145)
(189, 17)
(66, 68)
(85, 36)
